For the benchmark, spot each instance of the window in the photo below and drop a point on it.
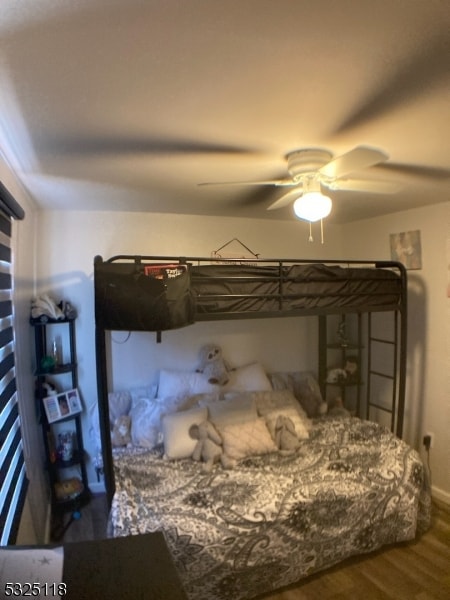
(13, 480)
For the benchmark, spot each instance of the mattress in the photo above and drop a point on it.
(349, 489)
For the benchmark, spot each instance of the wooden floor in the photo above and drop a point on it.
(91, 525)
(417, 570)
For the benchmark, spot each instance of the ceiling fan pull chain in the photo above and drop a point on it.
(310, 239)
(321, 230)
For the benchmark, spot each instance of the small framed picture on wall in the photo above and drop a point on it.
(406, 248)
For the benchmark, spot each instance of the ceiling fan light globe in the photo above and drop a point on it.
(312, 206)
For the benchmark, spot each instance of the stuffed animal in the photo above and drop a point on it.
(44, 308)
(351, 368)
(212, 365)
(48, 388)
(68, 488)
(121, 433)
(336, 375)
(209, 446)
(286, 438)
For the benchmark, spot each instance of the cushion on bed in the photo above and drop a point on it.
(119, 405)
(142, 392)
(145, 423)
(248, 379)
(146, 418)
(238, 409)
(249, 438)
(202, 399)
(268, 401)
(183, 383)
(291, 413)
(305, 388)
(177, 441)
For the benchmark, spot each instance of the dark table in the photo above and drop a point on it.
(135, 567)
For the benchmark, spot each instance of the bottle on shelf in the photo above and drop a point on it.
(55, 352)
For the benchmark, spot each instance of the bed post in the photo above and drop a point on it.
(103, 406)
(103, 413)
(322, 371)
(403, 350)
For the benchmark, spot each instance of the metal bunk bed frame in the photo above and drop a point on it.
(135, 262)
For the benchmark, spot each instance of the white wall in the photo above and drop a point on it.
(428, 380)
(24, 255)
(69, 241)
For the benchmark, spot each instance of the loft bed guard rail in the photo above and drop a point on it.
(158, 293)
(239, 288)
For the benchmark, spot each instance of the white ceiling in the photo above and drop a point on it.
(128, 105)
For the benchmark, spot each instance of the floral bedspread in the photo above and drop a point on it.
(234, 534)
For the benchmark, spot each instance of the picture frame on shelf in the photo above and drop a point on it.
(63, 405)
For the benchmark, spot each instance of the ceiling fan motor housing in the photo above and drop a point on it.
(310, 160)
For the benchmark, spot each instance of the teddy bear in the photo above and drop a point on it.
(209, 446)
(286, 438)
(336, 375)
(121, 433)
(213, 365)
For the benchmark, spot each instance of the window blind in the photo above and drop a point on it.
(13, 480)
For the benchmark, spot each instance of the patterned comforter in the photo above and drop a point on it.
(234, 534)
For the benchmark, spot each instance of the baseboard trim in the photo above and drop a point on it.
(48, 524)
(440, 495)
(97, 487)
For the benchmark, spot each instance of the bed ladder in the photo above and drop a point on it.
(373, 401)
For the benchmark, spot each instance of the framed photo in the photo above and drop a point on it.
(406, 248)
(60, 406)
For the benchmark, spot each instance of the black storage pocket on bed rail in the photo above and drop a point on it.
(143, 297)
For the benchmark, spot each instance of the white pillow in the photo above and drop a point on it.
(250, 438)
(177, 441)
(186, 383)
(237, 409)
(250, 378)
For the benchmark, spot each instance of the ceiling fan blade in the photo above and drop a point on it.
(421, 70)
(286, 198)
(365, 185)
(354, 160)
(137, 145)
(276, 182)
(435, 173)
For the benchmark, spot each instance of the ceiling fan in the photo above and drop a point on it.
(313, 170)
